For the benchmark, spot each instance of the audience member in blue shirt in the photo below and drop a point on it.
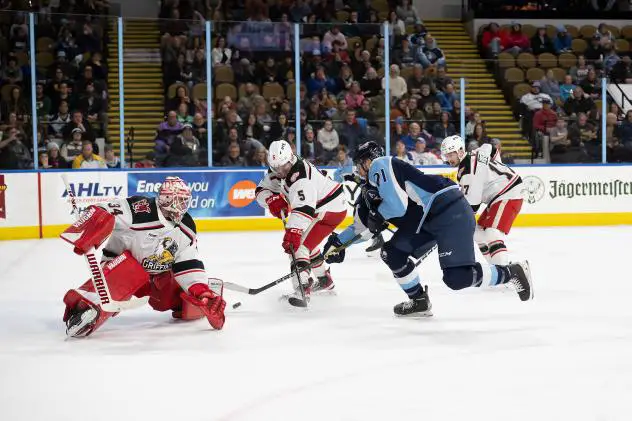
(562, 41)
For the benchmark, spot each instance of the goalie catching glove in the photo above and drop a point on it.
(211, 304)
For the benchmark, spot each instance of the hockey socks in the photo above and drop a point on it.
(408, 280)
(491, 275)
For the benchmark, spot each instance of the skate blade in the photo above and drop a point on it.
(418, 315)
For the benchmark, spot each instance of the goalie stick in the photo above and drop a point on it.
(98, 279)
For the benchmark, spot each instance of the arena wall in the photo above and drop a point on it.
(34, 205)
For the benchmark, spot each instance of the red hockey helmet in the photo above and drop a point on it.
(174, 198)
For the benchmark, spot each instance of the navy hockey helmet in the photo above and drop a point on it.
(367, 150)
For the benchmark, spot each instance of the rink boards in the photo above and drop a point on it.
(34, 205)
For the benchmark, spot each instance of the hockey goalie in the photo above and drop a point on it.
(151, 251)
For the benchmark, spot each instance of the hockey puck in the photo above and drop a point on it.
(237, 304)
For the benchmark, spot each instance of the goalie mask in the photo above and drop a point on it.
(174, 198)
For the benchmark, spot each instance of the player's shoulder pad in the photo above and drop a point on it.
(299, 171)
(484, 154)
(378, 165)
(187, 221)
(143, 209)
(465, 167)
(187, 226)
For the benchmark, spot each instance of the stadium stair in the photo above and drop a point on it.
(143, 90)
(481, 91)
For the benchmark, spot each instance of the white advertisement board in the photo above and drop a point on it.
(560, 189)
(18, 200)
(89, 187)
(554, 195)
(590, 189)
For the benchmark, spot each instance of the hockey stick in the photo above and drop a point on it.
(426, 254)
(98, 279)
(254, 291)
(292, 300)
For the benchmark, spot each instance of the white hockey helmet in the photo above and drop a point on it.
(452, 144)
(279, 155)
(174, 198)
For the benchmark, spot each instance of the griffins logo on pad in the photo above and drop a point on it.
(3, 205)
(242, 193)
(164, 257)
(142, 206)
(533, 190)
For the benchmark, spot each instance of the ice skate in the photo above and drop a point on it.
(418, 307)
(374, 249)
(81, 321)
(324, 285)
(521, 279)
(295, 299)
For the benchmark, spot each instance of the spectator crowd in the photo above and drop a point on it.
(71, 94)
(557, 87)
(341, 88)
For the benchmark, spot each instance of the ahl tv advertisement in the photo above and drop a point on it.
(215, 194)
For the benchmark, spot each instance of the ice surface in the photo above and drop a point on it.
(484, 356)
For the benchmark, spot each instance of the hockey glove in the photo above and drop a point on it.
(292, 238)
(277, 205)
(376, 222)
(371, 197)
(91, 229)
(212, 305)
(334, 242)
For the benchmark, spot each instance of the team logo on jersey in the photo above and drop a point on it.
(141, 206)
(3, 188)
(294, 177)
(533, 189)
(164, 257)
(242, 193)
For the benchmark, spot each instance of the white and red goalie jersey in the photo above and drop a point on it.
(158, 244)
(145, 254)
(308, 192)
(484, 179)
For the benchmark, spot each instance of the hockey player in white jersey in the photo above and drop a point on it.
(316, 206)
(151, 251)
(484, 179)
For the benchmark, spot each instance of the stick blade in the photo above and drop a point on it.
(235, 287)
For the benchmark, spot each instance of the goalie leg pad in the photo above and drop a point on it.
(76, 301)
(91, 230)
(165, 292)
(125, 277)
